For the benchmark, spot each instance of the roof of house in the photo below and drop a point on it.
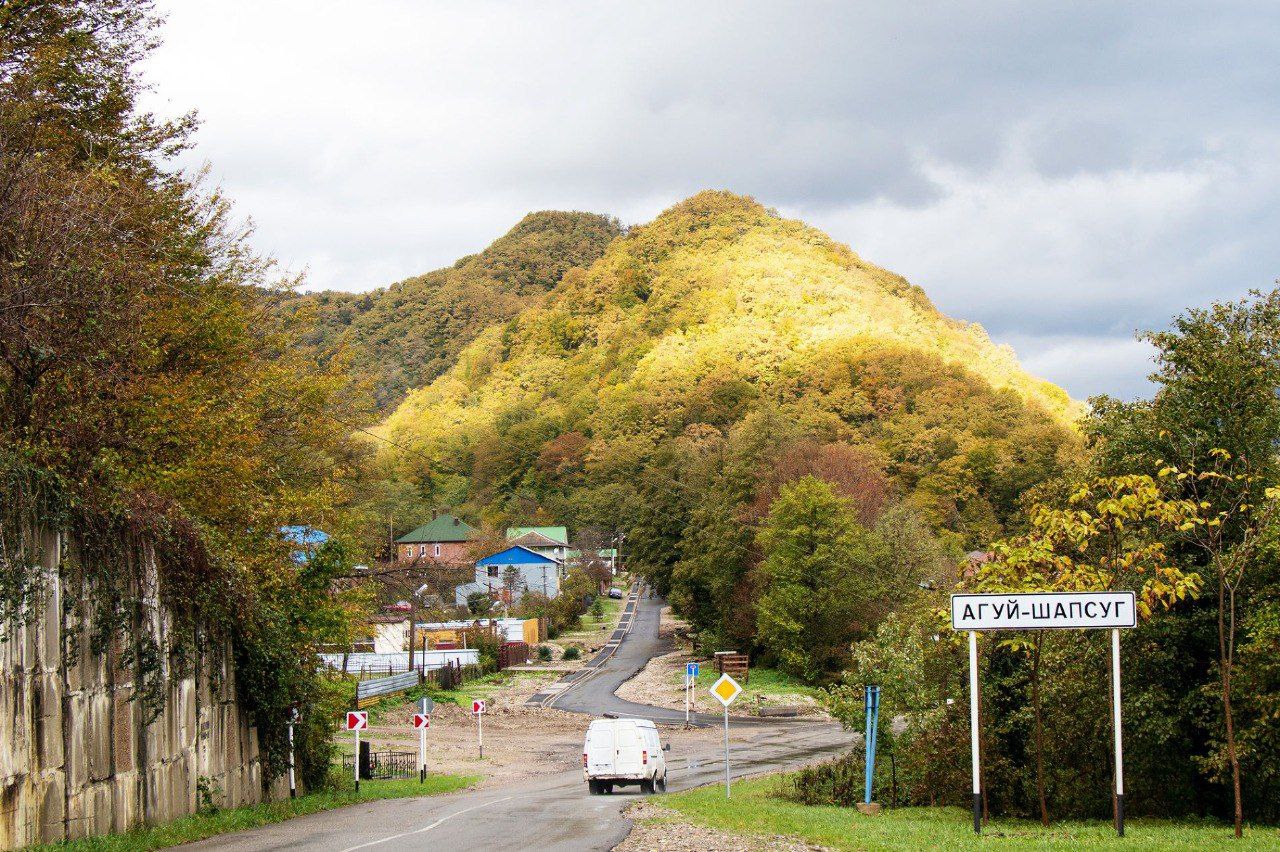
(443, 528)
(516, 555)
(304, 536)
(560, 535)
(535, 539)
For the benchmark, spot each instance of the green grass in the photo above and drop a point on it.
(768, 683)
(755, 809)
(590, 630)
(188, 829)
(482, 687)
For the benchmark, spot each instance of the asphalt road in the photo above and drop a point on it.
(638, 642)
(553, 812)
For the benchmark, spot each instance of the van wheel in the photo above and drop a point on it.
(595, 787)
(662, 784)
(608, 789)
(646, 786)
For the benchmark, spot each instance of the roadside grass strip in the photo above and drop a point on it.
(756, 809)
(763, 683)
(589, 630)
(225, 821)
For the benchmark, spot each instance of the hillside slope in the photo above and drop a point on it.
(405, 335)
(686, 329)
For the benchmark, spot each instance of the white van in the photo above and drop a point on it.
(621, 752)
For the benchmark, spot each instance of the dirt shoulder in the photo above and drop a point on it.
(519, 741)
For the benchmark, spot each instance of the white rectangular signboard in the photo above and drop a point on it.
(1043, 611)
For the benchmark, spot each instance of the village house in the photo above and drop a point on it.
(505, 576)
(549, 541)
(444, 539)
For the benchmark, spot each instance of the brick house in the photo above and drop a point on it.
(444, 539)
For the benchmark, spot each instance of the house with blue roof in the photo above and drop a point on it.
(306, 541)
(506, 575)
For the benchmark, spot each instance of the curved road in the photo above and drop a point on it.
(554, 811)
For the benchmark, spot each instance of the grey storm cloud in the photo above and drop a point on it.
(1063, 174)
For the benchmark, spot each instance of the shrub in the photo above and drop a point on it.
(573, 652)
(544, 653)
(833, 782)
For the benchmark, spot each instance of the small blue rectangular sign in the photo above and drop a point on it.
(691, 670)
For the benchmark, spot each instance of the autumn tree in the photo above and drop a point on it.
(146, 390)
(1214, 422)
(817, 558)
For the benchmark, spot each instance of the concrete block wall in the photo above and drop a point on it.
(77, 756)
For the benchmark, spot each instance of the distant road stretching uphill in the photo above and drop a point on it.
(629, 649)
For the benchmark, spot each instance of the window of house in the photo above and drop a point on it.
(422, 550)
(437, 549)
(493, 570)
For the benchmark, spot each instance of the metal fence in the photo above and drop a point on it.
(367, 666)
(384, 765)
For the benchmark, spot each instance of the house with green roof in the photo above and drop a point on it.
(445, 538)
(547, 541)
(560, 534)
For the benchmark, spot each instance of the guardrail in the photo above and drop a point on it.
(368, 691)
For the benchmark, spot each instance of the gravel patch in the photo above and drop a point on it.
(659, 829)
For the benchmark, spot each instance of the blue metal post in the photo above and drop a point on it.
(871, 696)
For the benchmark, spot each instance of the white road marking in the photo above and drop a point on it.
(427, 828)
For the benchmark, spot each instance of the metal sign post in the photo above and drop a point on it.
(725, 690)
(1045, 611)
(690, 678)
(421, 722)
(871, 695)
(293, 785)
(1117, 728)
(357, 721)
(477, 709)
(973, 731)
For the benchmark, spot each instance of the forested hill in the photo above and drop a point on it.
(723, 334)
(405, 335)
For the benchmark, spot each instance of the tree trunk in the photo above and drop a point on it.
(1225, 654)
(1035, 703)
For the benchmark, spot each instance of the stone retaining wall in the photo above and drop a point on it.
(77, 756)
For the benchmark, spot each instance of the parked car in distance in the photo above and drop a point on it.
(615, 593)
(624, 752)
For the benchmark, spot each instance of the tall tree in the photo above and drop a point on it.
(814, 594)
(1215, 423)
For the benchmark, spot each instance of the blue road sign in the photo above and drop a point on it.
(691, 671)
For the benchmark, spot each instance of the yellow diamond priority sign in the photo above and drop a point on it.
(725, 690)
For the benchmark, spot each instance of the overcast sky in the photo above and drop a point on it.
(1063, 176)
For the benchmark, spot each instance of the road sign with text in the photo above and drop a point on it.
(1043, 611)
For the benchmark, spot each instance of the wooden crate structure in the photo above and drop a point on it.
(733, 664)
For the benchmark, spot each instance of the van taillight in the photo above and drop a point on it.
(644, 758)
(584, 760)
